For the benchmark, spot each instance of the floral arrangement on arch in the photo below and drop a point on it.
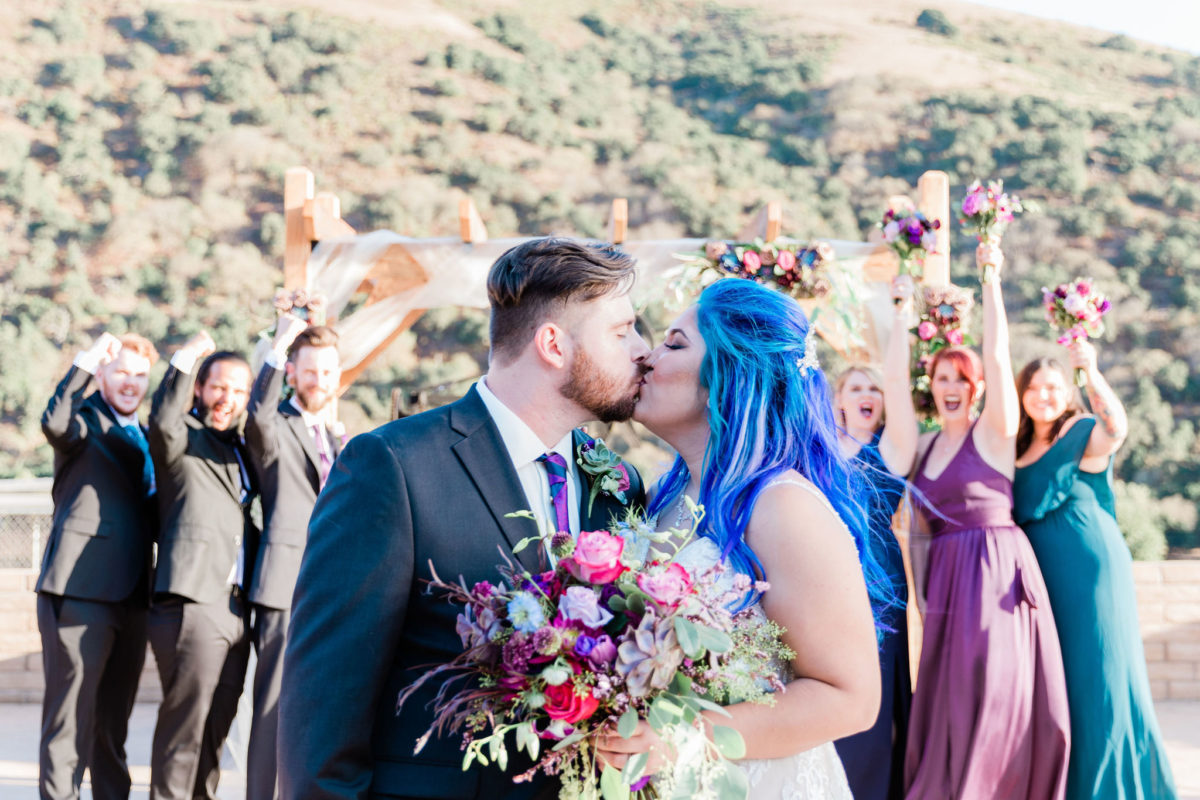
(943, 321)
(801, 271)
(618, 631)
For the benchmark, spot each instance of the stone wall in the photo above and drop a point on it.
(1169, 610)
(1168, 605)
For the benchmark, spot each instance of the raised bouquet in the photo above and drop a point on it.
(618, 630)
(1078, 310)
(987, 210)
(912, 236)
(945, 316)
(801, 271)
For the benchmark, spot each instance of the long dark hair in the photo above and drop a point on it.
(1074, 405)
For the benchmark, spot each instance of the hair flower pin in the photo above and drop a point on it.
(809, 361)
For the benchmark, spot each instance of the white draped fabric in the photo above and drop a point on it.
(457, 275)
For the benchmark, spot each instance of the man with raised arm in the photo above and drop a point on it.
(199, 618)
(95, 579)
(292, 450)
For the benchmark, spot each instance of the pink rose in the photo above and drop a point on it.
(714, 250)
(751, 261)
(667, 587)
(597, 557)
(954, 336)
(565, 703)
(786, 260)
(1083, 287)
(926, 331)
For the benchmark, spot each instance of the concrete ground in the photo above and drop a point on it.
(19, 743)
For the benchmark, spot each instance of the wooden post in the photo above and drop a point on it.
(618, 220)
(933, 191)
(323, 218)
(297, 189)
(767, 224)
(470, 224)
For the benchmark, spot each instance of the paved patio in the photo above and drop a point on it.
(19, 738)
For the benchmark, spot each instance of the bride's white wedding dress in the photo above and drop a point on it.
(815, 774)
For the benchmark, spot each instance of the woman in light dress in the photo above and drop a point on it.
(735, 389)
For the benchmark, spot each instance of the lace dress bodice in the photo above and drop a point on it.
(814, 774)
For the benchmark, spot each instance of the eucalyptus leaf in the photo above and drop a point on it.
(715, 640)
(611, 785)
(729, 742)
(688, 634)
(627, 725)
(567, 742)
(635, 767)
(732, 783)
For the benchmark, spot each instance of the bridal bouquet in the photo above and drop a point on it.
(619, 630)
(945, 316)
(801, 271)
(912, 236)
(988, 209)
(1077, 309)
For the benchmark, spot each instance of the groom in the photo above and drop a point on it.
(436, 488)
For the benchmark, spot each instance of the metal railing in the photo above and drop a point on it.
(25, 515)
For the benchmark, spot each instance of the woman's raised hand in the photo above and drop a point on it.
(988, 253)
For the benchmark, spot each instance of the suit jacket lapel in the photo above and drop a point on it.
(296, 424)
(485, 458)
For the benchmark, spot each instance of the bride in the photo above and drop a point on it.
(735, 389)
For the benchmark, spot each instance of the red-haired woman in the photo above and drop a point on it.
(989, 715)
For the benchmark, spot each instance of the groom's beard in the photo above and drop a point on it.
(607, 397)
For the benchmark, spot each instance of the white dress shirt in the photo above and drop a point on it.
(524, 447)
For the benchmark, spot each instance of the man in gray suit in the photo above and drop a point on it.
(292, 450)
(198, 620)
(94, 584)
(436, 488)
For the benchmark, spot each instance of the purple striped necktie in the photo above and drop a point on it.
(556, 474)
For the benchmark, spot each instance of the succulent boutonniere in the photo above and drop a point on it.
(605, 472)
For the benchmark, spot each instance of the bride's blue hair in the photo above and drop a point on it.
(768, 414)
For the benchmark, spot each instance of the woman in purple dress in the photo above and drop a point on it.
(989, 715)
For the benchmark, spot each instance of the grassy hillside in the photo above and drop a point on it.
(142, 149)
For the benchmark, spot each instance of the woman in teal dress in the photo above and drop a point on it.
(1063, 499)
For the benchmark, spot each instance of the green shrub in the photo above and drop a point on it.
(170, 33)
(1141, 521)
(935, 21)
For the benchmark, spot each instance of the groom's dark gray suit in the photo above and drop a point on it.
(434, 487)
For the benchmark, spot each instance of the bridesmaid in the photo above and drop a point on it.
(989, 715)
(874, 759)
(1063, 498)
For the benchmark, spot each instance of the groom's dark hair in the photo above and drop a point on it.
(537, 278)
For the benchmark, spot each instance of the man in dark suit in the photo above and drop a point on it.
(292, 450)
(94, 585)
(198, 620)
(436, 488)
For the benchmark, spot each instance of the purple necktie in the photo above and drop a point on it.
(556, 473)
(322, 451)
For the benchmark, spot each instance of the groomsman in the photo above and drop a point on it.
(94, 584)
(198, 620)
(292, 451)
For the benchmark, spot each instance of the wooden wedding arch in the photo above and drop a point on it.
(378, 284)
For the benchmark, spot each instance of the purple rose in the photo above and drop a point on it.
(584, 645)
(581, 604)
(603, 653)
